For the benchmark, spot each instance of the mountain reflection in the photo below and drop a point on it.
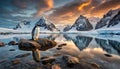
(83, 42)
(80, 41)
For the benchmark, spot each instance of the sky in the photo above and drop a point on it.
(57, 11)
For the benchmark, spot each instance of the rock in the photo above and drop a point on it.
(16, 61)
(57, 54)
(3, 60)
(46, 44)
(70, 60)
(41, 44)
(95, 65)
(108, 55)
(64, 44)
(56, 66)
(59, 48)
(22, 55)
(12, 43)
(45, 57)
(12, 50)
(28, 45)
(48, 60)
(36, 55)
(2, 44)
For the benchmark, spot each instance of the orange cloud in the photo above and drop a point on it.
(81, 7)
(48, 5)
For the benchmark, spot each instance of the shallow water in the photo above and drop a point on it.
(90, 48)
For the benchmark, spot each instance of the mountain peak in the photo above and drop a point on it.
(110, 19)
(81, 24)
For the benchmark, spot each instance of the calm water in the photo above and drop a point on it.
(77, 45)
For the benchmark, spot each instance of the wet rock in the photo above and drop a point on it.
(28, 45)
(57, 54)
(59, 48)
(70, 60)
(61, 45)
(12, 50)
(22, 55)
(46, 44)
(95, 65)
(16, 61)
(36, 55)
(41, 44)
(2, 44)
(56, 66)
(48, 60)
(12, 43)
(45, 57)
(108, 55)
(3, 60)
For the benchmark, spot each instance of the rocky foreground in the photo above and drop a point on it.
(63, 57)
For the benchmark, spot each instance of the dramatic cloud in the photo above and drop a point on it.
(105, 7)
(13, 11)
(89, 8)
(58, 11)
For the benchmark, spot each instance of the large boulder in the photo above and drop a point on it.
(28, 45)
(41, 44)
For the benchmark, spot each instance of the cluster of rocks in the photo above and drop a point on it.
(67, 62)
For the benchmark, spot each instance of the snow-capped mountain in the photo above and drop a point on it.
(81, 24)
(110, 20)
(45, 25)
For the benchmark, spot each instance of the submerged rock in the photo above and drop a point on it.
(59, 48)
(108, 55)
(48, 60)
(22, 55)
(61, 45)
(95, 65)
(2, 44)
(71, 61)
(16, 61)
(12, 50)
(56, 66)
(3, 60)
(12, 43)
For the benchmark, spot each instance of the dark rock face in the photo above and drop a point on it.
(46, 24)
(111, 19)
(42, 22)
(2, 44)
(115, 20)
(23, 23)
(67, 28)
(81, 24)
